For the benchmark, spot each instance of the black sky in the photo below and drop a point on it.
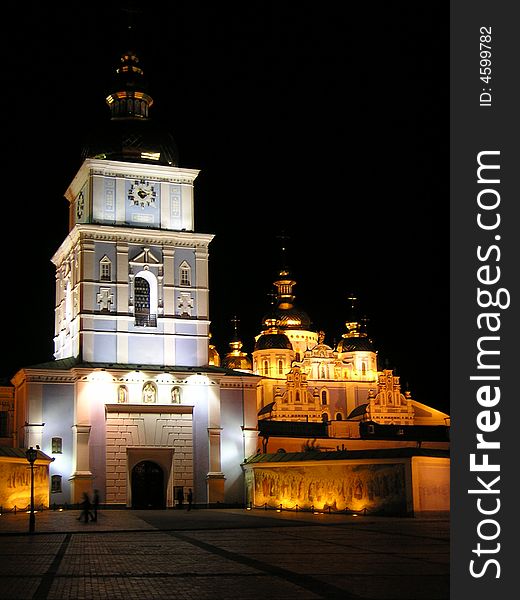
(324, 120)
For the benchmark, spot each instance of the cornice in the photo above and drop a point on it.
(114, 168)
(86, 232)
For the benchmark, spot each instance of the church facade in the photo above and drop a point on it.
(137, 402)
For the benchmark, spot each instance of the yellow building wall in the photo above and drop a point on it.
(378, 488)
(431, 484)
(15, 484)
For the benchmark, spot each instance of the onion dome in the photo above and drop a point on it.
(130, 135)
(273, 341)
(285, 312)
(355, 339)
(236, 359)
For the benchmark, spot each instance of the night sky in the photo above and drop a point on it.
(325, 121)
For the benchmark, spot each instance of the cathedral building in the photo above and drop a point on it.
(138, 403)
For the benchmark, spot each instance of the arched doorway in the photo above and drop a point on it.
(148, 485)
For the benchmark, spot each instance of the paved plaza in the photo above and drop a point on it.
(225, 554)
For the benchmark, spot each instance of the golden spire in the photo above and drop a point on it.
(236, 359)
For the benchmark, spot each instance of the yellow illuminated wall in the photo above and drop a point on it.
(15, 485)
(374, 487)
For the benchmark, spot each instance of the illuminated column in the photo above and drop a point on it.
(215, 477)
(33, 434)
(81, 478)
(250, 412)
(250, 441)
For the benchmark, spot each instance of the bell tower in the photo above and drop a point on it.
(132, 274)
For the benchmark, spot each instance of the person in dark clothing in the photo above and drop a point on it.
(180, 497)
(190, 498)
(85, 508)
(95, 505)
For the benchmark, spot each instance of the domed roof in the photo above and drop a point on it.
(130, 135)
(213, 355)
(237, 362)
(288, 318)
(284, 312)
(132, 140)
(355, 344)
(273, 341)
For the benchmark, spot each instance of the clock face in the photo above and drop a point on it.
(142, 194)
(80, 205)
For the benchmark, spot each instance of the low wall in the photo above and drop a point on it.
(15, 484)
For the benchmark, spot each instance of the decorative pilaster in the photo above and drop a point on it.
(215, 477)
(81, 478)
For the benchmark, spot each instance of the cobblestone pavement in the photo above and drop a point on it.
(224, 554)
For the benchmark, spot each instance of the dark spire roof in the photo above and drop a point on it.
(355, 338)
(130, 135)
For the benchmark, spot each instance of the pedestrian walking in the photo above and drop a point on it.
(86, 513)
(180, 497)
(190, 498)
(95, 505)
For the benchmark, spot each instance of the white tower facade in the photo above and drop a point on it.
(132, 275)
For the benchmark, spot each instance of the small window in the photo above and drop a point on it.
(56, 445)
(339, 417)
(324, 397)
(105, 269)
(325, 418)
(280, 367)
(185, 274)
(55, 484)
(266, 367)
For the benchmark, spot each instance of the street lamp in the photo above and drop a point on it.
(31, 455)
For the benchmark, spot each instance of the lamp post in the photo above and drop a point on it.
(31, 455)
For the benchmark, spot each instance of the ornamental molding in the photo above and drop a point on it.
(83, 234)
(166, 409)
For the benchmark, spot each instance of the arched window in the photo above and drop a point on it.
(325, 418)
(105, 269)
(280, 367)
(363, 368)
(145, 299)
(297, 399)
(149, 393)
(324, 399)
(266, 367)
(339, 417)
(185, 274)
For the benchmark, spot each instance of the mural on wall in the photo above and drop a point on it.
(15, 486)
(376, 488)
